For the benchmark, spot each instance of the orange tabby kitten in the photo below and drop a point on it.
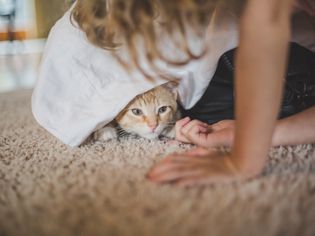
(150, 115)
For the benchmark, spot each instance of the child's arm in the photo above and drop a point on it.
(260, 69)
(293, 130)
(296, 129)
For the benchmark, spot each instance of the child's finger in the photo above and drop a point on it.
(178, 126)
(197, 135)
(181, 123)
(199, 139)
(191, 124)
(196, 130)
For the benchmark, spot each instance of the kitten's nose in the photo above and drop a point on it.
(153, 127)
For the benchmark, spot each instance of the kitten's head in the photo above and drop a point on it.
(151, 113)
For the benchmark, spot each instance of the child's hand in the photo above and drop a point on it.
(204, 135)
(198, 167)
(185, 126)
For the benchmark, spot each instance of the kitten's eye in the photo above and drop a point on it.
(137, 112)
(162, 109)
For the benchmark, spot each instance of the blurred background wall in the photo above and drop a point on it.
(24, 27)
(30, 18)
(47, 12)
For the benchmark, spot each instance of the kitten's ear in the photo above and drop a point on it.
(172, 87)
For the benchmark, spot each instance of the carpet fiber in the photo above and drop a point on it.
(99, 189)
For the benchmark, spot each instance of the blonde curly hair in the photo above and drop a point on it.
(108, 24)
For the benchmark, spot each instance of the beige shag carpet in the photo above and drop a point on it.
(99, 189)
